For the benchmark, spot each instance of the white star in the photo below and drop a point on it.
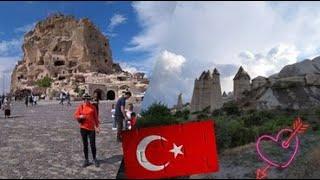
(176, 150)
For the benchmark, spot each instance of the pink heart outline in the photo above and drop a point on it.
(264, 157)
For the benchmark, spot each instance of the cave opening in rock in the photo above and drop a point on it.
(111, 95)
(61, 78)
(72, 64)
(59, 63)
(99, 93)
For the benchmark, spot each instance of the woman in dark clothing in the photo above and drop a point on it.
(27, 101)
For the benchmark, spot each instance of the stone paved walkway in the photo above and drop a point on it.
(44, 142)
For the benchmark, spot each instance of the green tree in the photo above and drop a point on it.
(155, 115)
(44, 82)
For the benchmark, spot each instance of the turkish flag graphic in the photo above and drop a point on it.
(170, 151)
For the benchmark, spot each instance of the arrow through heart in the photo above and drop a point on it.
(298, 128)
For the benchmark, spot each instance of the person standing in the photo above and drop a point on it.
(31, 99)
(114, 123)
(128, 114)
(68, 98)
(26, 101)
(132, 121)
(61, 98)
(87, 117)
(7, 108)
(120, 114)
(35, 99)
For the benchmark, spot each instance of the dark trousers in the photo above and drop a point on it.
(119, 121)
(85, 134)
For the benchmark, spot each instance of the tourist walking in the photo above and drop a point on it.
(31, 99)
(68, 98)
(114, 123)
(35, 99)
(120, 114)
(87, 117)
(7, 108)
(26, 100)
(61, 98)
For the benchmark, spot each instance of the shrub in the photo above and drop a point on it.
(155, 115)
(44, 82)
(81, 92)
(255, 118)
(183, 115)
(223, 136)
(231, 108)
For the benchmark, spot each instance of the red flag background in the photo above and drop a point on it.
(170, 151)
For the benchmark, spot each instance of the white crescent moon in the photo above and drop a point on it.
(141, 153)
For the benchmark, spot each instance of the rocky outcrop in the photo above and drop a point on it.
(241, 84)
(70, 52)
(296, 86)
(60, 46)
(207, 92)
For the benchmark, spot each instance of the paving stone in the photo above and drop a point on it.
(44, 142)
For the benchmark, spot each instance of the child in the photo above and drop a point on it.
(132, 122)
(114, 123)
(128, 114)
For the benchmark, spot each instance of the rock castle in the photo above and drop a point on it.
(76, 56)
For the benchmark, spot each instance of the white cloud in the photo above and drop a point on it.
(109, 34)
(167, 71)
(213, 34)
(134, 66)
(270, 62)
(10, 47)
(116, 20)
(10, 53)
(25, 28)
(6, 66)
(127, 67)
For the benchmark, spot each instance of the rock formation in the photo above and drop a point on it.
(69, 51)
(241, 84)
(207, 92)
(296, 86)
(179, 105)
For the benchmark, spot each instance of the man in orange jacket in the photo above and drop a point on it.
(86, 115)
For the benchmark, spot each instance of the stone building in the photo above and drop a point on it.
(207, 92)
(241, 84)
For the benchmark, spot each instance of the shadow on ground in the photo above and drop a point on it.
(111, 160)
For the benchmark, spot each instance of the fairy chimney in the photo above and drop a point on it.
(241, 83)
(207, 91)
